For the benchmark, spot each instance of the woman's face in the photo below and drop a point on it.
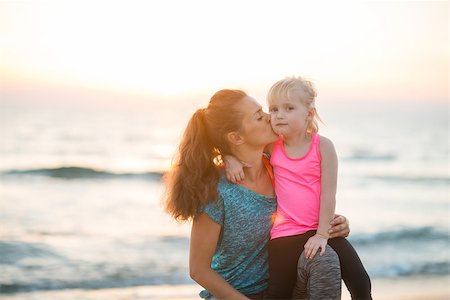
(256, 128)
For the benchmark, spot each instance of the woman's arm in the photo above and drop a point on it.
(204, 236)
(339, 227)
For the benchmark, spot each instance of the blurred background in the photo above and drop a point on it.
(95, 95)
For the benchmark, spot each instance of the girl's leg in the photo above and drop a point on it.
(284, 253)
(353, 272)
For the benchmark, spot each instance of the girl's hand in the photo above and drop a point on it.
(315, 243)
(234, 169)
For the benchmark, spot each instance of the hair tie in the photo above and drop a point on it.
(202, 113)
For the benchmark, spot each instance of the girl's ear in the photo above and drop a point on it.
(311, 113)
(235, 138)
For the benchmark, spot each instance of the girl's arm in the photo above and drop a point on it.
(204, 236)
(328, 168)
(234, 169)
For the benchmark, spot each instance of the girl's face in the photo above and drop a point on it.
(256, 128)
(289, 117)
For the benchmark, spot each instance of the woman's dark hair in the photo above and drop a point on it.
(193, 178)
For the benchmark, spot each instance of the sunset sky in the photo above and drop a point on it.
(390, 50)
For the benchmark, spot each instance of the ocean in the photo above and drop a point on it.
(81, 186)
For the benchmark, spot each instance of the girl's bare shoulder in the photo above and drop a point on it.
(326, 145)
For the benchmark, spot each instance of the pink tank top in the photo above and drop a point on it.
(297, 186)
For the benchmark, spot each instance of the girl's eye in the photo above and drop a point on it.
(290, 108)
(260, 118)
(273, 110)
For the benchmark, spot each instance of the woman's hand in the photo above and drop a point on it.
(339, 227)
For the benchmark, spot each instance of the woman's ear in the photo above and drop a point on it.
(235, 138)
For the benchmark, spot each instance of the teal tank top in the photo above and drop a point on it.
(241, 256)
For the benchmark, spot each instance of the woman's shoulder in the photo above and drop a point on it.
(226, 187)
(231, 192)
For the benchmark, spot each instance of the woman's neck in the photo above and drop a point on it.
(252, 158)
(257, 178)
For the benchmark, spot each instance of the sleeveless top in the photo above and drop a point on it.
(297, 186)
(241, 256)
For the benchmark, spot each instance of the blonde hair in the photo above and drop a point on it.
(297, 88)
(193, 178)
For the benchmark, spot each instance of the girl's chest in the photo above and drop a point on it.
(296, 152)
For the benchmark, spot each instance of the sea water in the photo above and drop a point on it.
(80, 192)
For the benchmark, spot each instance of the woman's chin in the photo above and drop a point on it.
(274, 137)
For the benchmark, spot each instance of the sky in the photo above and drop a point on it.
(372, 50)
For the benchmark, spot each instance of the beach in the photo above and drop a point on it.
(383, 289)
(81, 214)
(95, 97)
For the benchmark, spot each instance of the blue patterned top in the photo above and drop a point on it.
(241, 256)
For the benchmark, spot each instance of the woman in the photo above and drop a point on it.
(231, 223)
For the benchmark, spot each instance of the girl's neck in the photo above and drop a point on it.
(296, 140)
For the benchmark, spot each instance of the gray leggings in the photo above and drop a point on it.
(318, 278)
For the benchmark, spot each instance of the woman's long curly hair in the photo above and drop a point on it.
(193, 178)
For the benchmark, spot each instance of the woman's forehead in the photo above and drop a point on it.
(250, 105)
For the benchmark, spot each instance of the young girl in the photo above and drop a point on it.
(305, 169)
